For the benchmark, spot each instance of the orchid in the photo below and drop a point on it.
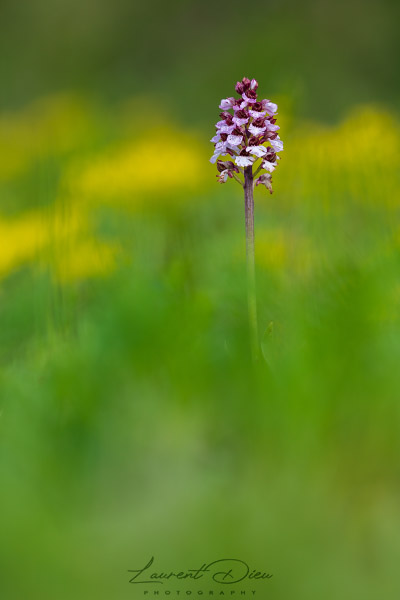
(247, 136)
(243, 134)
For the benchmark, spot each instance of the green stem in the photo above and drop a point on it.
(251, 277)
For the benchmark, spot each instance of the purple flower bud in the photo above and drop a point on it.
(254, 84)
(246, 83)
(239, 88)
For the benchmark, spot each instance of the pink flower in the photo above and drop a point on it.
(227, 103)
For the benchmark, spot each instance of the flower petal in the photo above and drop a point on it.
(222, 147)
(265, 179)
(244, 161)
(240, 122)
(270, 107)
(271, 127)
(277, 144)
(227, 103)
(258, 151)
(257, 114)
(235, 139)
(248, 100)
(256, 130)
(226, 128)
(268, 166)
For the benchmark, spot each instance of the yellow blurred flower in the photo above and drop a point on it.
(63, 242)
(142, 172)
(278, 249)
(357, 160)
(21, 240)
(50, 126)
(85, 258)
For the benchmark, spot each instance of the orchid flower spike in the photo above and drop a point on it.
(247, 134)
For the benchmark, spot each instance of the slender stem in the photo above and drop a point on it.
(251, 277)
(257, 170)
(238, 180)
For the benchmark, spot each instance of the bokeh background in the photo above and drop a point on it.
(132, 420)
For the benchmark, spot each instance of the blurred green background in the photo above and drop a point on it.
(132, 420)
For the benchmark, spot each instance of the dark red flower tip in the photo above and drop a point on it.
(254, 141)
(220, 166)
(252, 94)
(260, 122)
(237, 131)
(246, 83)
(227, 165)
(270, 155)
(224, 137)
